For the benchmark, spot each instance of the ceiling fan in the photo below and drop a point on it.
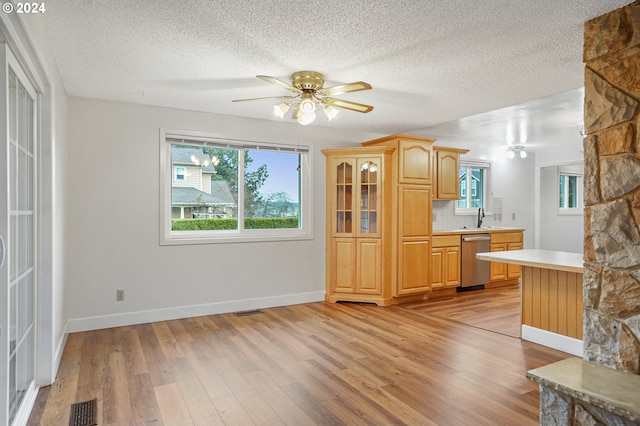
(310, 96)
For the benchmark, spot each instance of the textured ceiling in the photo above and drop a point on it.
(429, 62)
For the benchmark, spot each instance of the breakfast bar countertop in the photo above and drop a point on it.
(548, 259)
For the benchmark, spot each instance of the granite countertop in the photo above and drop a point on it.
(603, 387)
(487, 230)
(548, 259)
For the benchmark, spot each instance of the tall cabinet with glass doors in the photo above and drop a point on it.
(379, 221)
(357, 229)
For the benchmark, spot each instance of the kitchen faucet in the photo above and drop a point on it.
(480, 216)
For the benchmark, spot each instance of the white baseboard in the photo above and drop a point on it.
(552, 340)
(59, 350)
(141, 317)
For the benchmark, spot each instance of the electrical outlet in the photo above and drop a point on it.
(513, 216)
(119, 295)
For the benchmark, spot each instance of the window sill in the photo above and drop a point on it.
(571, 212)
(190, 239)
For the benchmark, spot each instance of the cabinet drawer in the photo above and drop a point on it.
(445, 241)
(506, 237)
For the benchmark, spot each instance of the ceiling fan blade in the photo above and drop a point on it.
(280, 83)
(345, 88)
(353, 106)
(265, 99)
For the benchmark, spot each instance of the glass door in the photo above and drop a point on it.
(369, 196)
(18, 232)
(344, 197)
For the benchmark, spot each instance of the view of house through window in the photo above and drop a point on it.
(568, 193)
(570, 189)
(474, 179)
(220, 188)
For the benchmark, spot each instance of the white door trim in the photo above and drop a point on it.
(49, 339)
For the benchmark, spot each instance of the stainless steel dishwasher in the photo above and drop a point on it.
(474, 272)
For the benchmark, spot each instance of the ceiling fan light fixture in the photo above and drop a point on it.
(330, 112)
(281, 109)
(310, 95)
(523, 154)
(306, 118)
(307, 106)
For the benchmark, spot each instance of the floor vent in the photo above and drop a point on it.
(246, 313)
(84, 413)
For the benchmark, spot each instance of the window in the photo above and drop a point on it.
(570, 188)
(474, 186)
(179, 173)
(224, 190)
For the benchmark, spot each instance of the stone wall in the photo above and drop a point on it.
(611, 279)
(612, 189)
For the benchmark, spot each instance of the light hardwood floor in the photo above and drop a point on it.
(309, 364)
(495, 309)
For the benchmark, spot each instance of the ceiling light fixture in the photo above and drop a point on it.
(281, 109)
(512, 150)
(305, 110)
(330, 112)
(311, 96)
(204, 160)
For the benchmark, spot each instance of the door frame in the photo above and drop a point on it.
(50, 332)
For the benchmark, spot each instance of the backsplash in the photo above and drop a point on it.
(444, 217)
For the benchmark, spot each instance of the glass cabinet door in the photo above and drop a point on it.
(368, 191)
(344, 198)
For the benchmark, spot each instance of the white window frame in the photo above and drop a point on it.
(175, 174)
(471, 164)
(170, 237)
(569, 211)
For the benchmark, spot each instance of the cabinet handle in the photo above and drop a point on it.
(476, 238)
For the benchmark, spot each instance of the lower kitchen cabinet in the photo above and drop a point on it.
(357, 263)
(445, 261)
(501, 273)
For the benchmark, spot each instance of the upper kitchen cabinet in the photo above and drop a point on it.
(446, 169)
(357, 178)
(414, 157)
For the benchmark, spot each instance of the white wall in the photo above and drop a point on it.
(557, 232)
(113, 217)
(513, 180)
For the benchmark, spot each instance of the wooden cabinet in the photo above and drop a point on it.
(445, 261)
(513, 271)
(446, 172)
(414, 233)
(356, 210)
(379, 221)
(498, 270)
(502, 273)
(415, 157)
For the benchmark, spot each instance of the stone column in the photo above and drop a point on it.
(612, 190)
